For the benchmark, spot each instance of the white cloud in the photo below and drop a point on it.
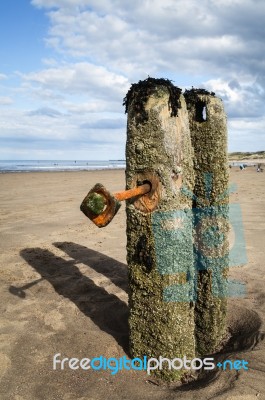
(5, 101)
(59, 3)
(49, 132)
(80, 78)
(99, 47)
(145, 37)
(45, 111)
(92, 106)
(243, 97)
(246, 134)
(3, 76)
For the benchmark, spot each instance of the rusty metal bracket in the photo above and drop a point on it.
(100, 206)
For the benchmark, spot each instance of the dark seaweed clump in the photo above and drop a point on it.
(193, 100)
(140, 92)
(191, 96)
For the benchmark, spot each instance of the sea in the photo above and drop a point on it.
(58, 165)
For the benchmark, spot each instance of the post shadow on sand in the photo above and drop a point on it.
(114, 270)
(110, 314)
(106, 310)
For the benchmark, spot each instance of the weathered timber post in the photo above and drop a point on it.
(159, 225)
(210, 204)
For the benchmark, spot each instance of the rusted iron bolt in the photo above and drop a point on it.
(101, 206)
(129, 194)
(96, 202)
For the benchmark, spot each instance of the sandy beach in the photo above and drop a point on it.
(64, 290)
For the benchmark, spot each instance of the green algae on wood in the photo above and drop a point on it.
(210, 203)
(96, 203)
(158, 142)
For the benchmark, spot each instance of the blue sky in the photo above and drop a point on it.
(66, 65)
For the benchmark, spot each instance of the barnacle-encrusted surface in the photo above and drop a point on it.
(209, 140)
(159, 142)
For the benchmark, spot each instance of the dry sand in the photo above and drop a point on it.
(63, 290)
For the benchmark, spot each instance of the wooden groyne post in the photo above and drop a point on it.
(159, 224)
(208, 128)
